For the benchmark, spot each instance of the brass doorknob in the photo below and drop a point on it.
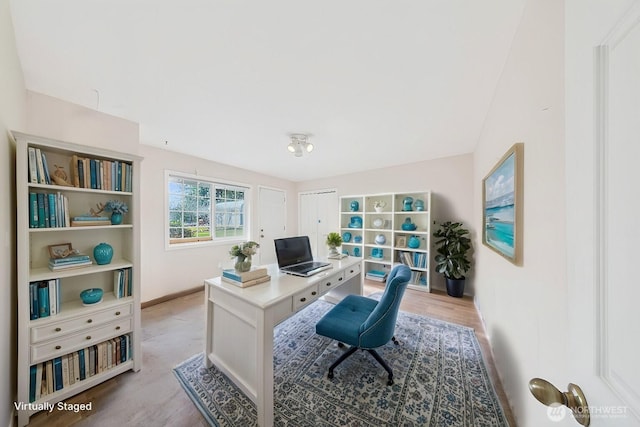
(574, 399)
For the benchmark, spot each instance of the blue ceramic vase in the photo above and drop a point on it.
(103, 253)
(407, 202)
(414, 242)
(407, 225)
(116, 218)
(355, 206)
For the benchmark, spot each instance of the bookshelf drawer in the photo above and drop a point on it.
(305, 297)
(55, 329)
(55, 348)
(331, 282)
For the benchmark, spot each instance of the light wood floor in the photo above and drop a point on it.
(174, 331)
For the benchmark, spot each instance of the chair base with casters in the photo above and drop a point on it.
(364, 323)
(371, 351)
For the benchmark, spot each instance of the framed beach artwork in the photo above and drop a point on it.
(502, 205)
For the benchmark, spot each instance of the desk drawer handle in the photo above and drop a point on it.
(303, 299)
(339, 279)
(89, 320)
(88, 337)
(117, 328)
(351, 271)
(58, 347)
(328, 283)
(313, 293)
(117, 313)
(58, 329)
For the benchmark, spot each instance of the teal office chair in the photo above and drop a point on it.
(364, 323)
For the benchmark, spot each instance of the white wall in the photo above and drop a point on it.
(166, 272)
(52, 118)
(12, 117)
(525, 306)
(449, 179)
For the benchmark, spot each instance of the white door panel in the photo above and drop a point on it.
(603, 175)
(272, 216)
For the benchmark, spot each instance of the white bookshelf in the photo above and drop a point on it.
(113, 323)
(387, 221)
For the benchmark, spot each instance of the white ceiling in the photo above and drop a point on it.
(377, 83)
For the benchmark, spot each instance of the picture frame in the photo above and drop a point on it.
(60, 250)
(401, 242)
(502, 196)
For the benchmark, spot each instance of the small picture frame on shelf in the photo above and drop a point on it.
(401, 242)
(60, 250)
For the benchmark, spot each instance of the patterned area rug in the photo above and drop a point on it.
(439, 380)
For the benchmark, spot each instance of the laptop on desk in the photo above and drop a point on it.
(294, 257)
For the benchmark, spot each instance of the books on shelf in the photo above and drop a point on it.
(72, 261)
(413, 259)
(123, 282)
(100, 174)
(376, 275)
(44, 298)
(38, 167)
(47, 210)
(64, 371)
(87, 221)
(255, 276)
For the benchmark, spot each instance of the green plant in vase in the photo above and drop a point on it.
(243, 253)
(333, 241)
(452, 260)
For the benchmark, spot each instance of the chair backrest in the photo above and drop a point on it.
(379, 327)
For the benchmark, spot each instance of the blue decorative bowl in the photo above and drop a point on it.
(408, 226)
(91, 296)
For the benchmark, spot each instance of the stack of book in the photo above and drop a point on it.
(85, 221)
(72, 261)
(245, 279)
(44, 298)
(376, 275)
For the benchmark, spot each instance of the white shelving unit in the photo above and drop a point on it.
(113, 324)
(381, 240)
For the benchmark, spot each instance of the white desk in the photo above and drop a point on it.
(240, 322)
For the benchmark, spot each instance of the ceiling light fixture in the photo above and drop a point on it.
(299, 144)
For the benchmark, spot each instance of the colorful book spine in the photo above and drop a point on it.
(57, 367)
(41, 218)
(33, 210)
(34, 307)
(69, 259)
(53, 207)
(92, 171)
(33, 166)
(43, 299)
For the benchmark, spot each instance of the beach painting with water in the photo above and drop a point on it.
(500, 189)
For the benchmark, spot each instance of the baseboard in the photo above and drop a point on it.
(171, 296)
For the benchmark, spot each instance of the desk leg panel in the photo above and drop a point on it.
(233, 342)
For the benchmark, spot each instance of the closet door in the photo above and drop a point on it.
(317, 218)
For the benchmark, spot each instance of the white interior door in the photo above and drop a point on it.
(272, 219)
(318, 215)
(603, 232)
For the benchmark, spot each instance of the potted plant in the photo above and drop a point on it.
(117, 209)
(333, 241)
(452, 260)
(242, 253)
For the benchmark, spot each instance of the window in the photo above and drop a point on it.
(203, 210)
